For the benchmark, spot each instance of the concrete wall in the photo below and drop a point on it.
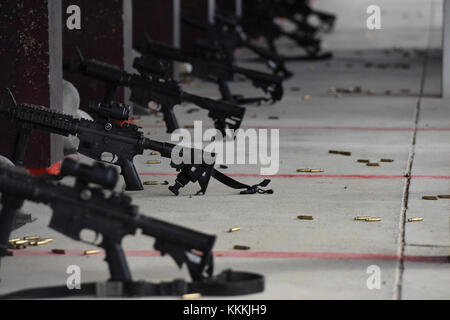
(154, 17)
(197, 9)
(30, 51)
(105, 35)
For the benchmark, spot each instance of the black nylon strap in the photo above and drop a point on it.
(228, 283)
(234, 184)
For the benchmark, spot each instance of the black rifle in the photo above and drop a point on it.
(208, 66)
(290, 11)
(99, 137)
(260, 23)
(122, 141)
(166, 93)
(91, 204)
(225, 36)
(300, 12)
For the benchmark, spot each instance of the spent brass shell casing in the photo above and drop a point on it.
(305, 217)
(361, 218)
(344, 153)
(239, 247)
(153, 162)
(21, 242)
(373, 219)
(444, 196)
(222, 166)
(91, 252)
(363, 161)
(43, 242)
(13, 240)
(415, 219)
(234, 230)
(58, 251)
(429, 198)
(386, 160)
(151, 183)
(370, 164)
(191, 296)
(307, 170)
(31, 238)
(165, 183)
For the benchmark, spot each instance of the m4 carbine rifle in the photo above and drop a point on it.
(123, 141)
(166, 93)
(300, 11)
(225, 35)
(210, 66)
(92, 204)
(261, 23)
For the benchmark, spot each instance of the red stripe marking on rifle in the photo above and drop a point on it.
(312, 176)
(258, 254)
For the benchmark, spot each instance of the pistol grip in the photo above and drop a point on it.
(130, 175)
(170, 119)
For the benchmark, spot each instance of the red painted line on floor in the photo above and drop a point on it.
(350, 128)
(430, 177)
(313, 176)
(257, 254)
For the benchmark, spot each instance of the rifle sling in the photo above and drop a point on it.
(227, 283)
(234, 184)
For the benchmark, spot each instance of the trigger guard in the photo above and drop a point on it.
(158, 106)
(97, 241)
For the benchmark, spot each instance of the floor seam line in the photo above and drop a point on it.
(402, 235)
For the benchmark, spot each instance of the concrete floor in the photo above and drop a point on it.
(326, 258)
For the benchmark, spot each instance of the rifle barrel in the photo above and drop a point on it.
(214, 105)
(258, 75)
